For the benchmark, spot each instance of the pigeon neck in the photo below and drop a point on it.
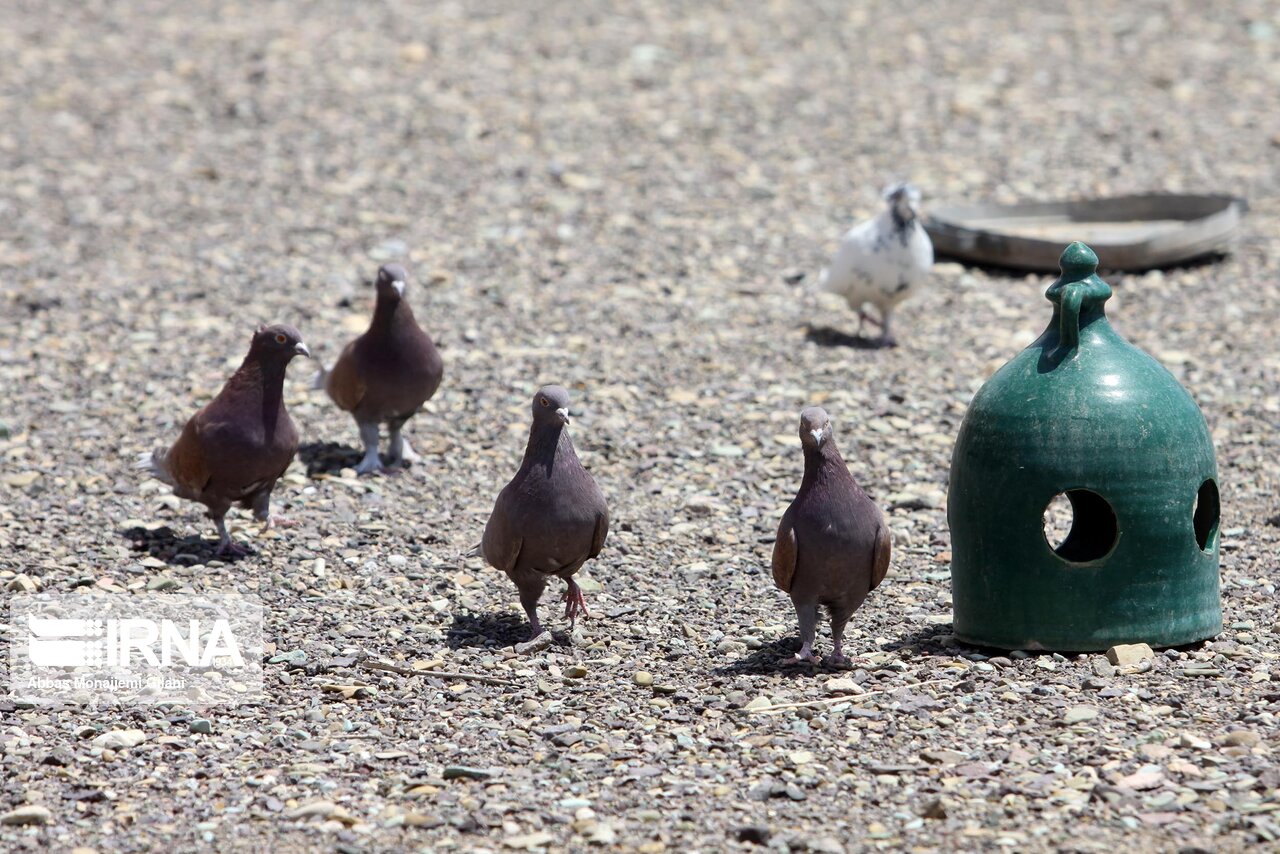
(900, 222)
(264, 376)
(388, 312)
(544, 441)
(822, 463)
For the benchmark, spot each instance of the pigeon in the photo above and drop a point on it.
(833, 545)
(385, 375)
(883, 260)
(236, 448)
(552, 517)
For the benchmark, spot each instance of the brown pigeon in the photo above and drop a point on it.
(833, 544)
(235, 448)
(552, 517)
(386, 374)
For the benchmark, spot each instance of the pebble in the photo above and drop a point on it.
(842, 685)
(1129, 654)
(117, 739)
(1079, 714)
(201, 725)
(575, 671)
(27, 814)
(643, 678)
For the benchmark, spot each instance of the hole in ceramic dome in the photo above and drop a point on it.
(1205, 516)
(1080, 526)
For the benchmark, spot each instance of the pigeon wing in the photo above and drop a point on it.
(784, 553)
(880, 557)
(500, 547)
(598, 536)
(343, 383)
(187, 462)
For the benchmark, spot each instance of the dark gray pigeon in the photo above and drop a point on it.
(235, 448)
(385, 375)
(551, 518)
(833, 544)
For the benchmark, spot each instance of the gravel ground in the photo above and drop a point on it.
(615, 201)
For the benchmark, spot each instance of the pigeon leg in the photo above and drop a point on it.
(262, 511)
(225, 544)
(529, 596)
(369, 436)
(575, 603)
(808, 616)
(398, 449)
(839, 619)
(886, 337)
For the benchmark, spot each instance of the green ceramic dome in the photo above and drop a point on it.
(1084, 413)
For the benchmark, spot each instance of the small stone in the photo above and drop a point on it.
(120, 738)
(201, 725)
(934, 809)
(943, 757)
(801, 757)
(575, 671)
(843, 685)
(1241, 738)
(1103, 668)
(760, 702)
(756, 834)
(1129, 654)
(1079, 714)
(1193, 741)
(322, 809)
(464, 772)
(1145, 778)
(27, 814)
(643, 678)
(295, 657)
(538, 644)
(528, 840)
(414, 52)
(23, 584)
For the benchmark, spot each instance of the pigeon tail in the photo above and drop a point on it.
(321, 377)
(154, 463)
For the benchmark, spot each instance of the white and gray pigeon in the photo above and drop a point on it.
(883, 260)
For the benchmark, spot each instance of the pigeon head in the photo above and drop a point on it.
(904, 201)
(392, 280)
(279, 340)
(551, 405)
(815, 427)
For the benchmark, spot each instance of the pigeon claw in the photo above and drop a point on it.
(274, 521)
(575, 604)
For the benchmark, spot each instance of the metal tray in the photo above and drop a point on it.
(1128, 232)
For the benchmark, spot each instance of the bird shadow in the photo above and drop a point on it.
(829, 336)
(777, 658)
(487, 630)
(328, 457)
(164, 545)
(929, 641)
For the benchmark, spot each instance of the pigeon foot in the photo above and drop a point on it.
(576, 603)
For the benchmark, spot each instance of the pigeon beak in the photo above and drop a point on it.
(399, 286)
(818, 435)
(302, 349)
(563, 412)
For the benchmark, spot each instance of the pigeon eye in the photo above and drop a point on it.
(280, 338)
(546, 402)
